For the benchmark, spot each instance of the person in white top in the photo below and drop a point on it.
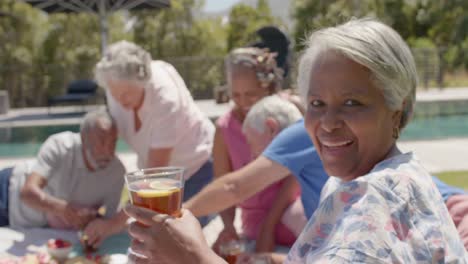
(156, 114)
(72, 176)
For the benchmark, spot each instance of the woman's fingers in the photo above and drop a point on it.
(139, 247)
(134, 259)
(142, 215)
(139, 232)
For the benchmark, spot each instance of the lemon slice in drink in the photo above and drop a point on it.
(158, 189)
(153, 193)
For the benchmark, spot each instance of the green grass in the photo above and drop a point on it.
(455, 178)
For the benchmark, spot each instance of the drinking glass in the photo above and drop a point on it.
(231, 250)
(159, 189)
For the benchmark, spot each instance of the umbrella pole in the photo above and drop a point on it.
(103, 25)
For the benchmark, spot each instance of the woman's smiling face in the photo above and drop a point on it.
(347, 117)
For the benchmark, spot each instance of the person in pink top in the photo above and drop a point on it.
(252, 75)
(280, 212)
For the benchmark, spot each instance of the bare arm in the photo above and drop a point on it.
(33, 195)
(284, 198)
(236, 186)
(222, 166)
(158, 157)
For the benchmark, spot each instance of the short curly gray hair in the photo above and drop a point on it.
(262, 61)
(123, 60)
(377, 47)
(97, 119)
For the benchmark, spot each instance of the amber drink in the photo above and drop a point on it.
(231, 250)
(159, 189)
(160, 195)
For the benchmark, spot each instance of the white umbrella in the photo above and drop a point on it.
(98, 7)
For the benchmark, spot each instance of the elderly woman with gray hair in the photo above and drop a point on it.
(156, 114)
(379, 205)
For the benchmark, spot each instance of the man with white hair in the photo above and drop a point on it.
(274, 215)
(72, 176)
(263, 123)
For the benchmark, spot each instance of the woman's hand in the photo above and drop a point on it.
(165, 239)
(71, 216)
(457, 206)
(227, 234)
(98, 230)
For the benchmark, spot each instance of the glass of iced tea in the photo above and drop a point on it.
(231, 250)
(159, 189)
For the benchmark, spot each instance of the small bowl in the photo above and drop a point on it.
(59, 248)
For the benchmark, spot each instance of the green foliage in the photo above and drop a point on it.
(194, 46)
(245, 20)
(442, 24)
(41, 53)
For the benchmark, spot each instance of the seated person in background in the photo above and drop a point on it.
(252, 74)
(72, 176)
(380, 205)
(275, 215)
(456, 201)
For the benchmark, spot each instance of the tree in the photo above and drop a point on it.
(437, 27)
(244, 21)
(196, 47)
(42, 53)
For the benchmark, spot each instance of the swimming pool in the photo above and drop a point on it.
(25, 141)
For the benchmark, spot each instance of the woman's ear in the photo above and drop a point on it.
(398, 115)
(272, 126)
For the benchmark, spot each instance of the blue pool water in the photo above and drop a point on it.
(25, 141)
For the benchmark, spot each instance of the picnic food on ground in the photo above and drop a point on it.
(89, 260)
(58, 243)
(39, 258)
(59, 248)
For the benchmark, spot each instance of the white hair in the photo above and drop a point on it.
(377, 47)
(273, 106)
(123, 60)
(97, 119)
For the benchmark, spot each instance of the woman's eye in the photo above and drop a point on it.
(316, 103)
(351, 102)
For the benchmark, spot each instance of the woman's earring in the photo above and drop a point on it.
(396, 133)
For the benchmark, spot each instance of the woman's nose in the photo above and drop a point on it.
(331, 120)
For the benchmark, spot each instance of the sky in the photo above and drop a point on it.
(218, 5)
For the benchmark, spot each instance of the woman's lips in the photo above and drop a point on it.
(335, 148)
(335, 143)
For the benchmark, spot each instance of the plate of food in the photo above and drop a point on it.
(59, 248)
